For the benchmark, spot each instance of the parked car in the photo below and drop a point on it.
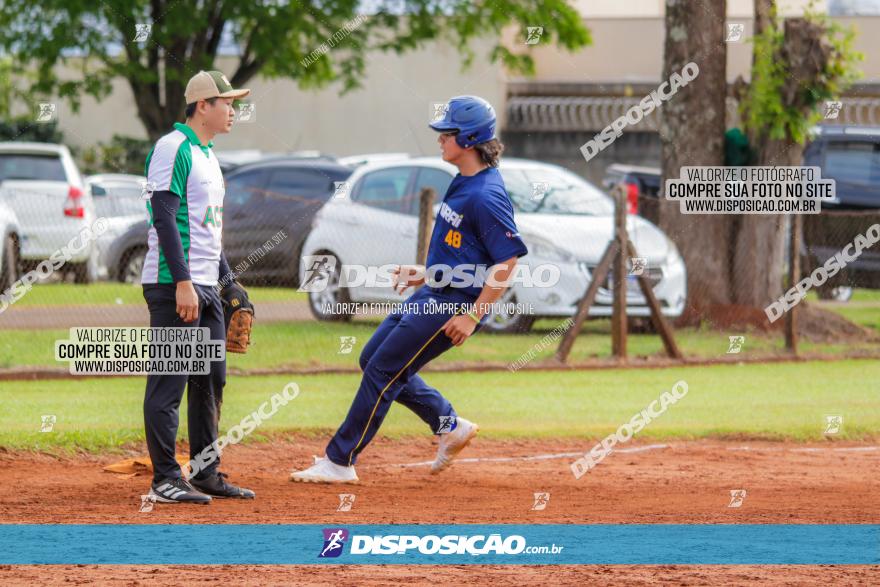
(10, 232)
(642, 186)
(358, 160)
(850, 155)
(229, 160)
(569, 226)
(118, 198)
(42, 184)
(269, 196)
(125, 255)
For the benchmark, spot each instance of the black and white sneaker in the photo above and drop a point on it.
(177, 490)
(215, 484)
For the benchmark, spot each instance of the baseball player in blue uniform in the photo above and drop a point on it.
(474, 229)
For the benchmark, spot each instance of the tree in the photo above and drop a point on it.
(691, 134)
(756, 283)
(312, 42)
(22, 128)
(797, 64)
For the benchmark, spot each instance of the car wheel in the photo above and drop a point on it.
(840, 293)
(504, 322)
(640, 325)
(132, 265)
(323, 303)
(81, 273)
(9, 269)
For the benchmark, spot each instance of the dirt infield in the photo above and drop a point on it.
(682, 482)
(370, 575)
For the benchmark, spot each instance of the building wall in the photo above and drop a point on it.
(655, 8)
(391, 111)
(631, 50)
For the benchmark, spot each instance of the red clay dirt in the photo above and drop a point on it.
(687, 482)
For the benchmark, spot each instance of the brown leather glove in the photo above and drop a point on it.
(238, 312)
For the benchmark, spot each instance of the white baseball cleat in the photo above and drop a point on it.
(325, 471)
(453, 443)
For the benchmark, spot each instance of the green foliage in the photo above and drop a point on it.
(21, 128)
(765, 106)
(26, 129)
(313, 42)
(121, 155)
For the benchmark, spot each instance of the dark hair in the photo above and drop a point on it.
(191, 108)
(490, 152)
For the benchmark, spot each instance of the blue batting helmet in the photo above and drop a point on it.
(471, 117)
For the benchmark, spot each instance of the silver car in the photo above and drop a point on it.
(9, 247)
(118, 199)
(565, 221)
(42, 184)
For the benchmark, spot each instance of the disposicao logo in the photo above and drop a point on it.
(334, 541)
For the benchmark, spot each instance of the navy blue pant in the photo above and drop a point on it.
(164, 392)
(405, 342)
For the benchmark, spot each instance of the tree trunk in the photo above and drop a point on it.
(758, 279)
(692, 134)
(765, 16)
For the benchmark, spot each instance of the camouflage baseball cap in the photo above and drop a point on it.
(211, 84)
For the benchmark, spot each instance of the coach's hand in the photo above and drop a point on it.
(187, 301)
(405, 276)
(459, 328)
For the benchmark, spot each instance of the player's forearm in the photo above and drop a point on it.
(165, 206)
(496, 284)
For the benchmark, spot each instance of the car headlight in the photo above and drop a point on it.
(547, 250)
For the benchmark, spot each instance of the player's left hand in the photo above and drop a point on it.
(459, 328)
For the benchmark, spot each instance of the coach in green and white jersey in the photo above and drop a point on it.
(183, 267)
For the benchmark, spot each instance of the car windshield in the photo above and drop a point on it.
(27, 166)
(547, 190)
(853, 162)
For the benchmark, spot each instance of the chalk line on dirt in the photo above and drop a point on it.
(636, 449)
(544, 457)
(808, 449)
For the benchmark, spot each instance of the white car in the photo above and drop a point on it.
(118, 197)
(42, 184)
(564, 220)
(10, 233)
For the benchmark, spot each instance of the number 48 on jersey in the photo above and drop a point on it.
(453, 238)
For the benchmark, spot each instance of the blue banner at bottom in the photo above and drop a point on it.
(518, 544)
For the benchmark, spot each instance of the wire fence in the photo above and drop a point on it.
(277, 218)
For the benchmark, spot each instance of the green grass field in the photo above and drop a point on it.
(298, 345)
(781, 401)
(110, 293)
(302, 344)
(305, 344)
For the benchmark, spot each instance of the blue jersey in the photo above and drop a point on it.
(474, 227)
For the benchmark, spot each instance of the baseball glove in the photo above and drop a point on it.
(238, 312)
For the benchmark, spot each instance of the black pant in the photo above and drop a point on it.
(164, 392)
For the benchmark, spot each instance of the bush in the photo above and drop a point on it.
(26, 129)
(121, 155)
